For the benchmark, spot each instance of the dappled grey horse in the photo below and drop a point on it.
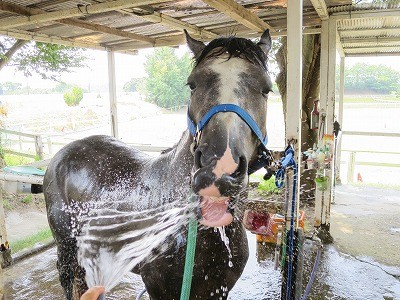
(225, 141)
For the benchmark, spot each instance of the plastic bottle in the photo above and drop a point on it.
(315, 116)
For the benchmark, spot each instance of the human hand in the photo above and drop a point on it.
(93, 293)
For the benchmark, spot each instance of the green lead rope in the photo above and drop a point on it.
(189, 259)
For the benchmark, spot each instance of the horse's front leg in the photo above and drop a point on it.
(79, 286)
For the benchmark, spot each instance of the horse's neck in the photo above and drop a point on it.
(172, 169)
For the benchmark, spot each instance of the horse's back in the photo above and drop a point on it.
(82, 172)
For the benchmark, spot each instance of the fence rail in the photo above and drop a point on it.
(352, 161)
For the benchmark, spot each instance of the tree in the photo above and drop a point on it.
(74, 97)
(47, 60)
(132, 85)
(311, 76)
(166, 81)
(376, 78)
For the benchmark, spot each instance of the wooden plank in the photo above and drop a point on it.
(370, 133)
(372, 31)
(321, 9)
(44, 38)
(378, 40)
(113, 94)
(294, 89)
(75, 12)
(239, 14)
(178, 24)
(21, 10)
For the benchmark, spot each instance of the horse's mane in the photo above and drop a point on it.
(234, 47)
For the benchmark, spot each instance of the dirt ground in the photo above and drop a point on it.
(25, 215)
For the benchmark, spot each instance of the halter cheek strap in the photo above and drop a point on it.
(264, 154)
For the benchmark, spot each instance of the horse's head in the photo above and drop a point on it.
(227, 114)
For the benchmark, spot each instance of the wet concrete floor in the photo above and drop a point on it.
(362, 263)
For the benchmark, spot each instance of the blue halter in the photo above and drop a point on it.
(264, 156)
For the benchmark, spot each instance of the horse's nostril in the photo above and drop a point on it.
(242, 167)
(197, 159)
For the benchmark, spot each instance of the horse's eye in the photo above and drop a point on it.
(265, 92)
(191, 86)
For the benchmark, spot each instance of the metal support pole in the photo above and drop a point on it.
(113, 94)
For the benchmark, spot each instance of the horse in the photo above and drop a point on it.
(225, 139)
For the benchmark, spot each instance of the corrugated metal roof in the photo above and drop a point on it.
(378, 34)
(157, 23)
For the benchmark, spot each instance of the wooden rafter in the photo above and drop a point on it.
(372, 41)
(321, 9)
(21, 10)
(74, 12)
(239, 14)
(45, 38)
(372, 31)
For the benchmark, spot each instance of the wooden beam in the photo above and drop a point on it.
(373, 41)
(178, 24)
(239, 14)
(361, 14)
(366, 49)
(74, 12)
(44, 38)
(339, 45)
(376, 54)
(372, 31)
(321, 9)
(19, 9)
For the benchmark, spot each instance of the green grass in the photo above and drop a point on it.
(369, 99)
(266, 187)
(29, 241)
(7, 204)
(16, 160)
(378, 185)
(27, 199)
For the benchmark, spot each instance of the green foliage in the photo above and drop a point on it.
(74, 97)
(268, 187)
(27, 199)
(16, 160)
(132, 85)
(30, 241)
(9, 88)
(375, 78)
(48, 60)
(167, 75)
(62, 87)
(6, 204)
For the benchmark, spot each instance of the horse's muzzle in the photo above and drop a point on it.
(215, 208)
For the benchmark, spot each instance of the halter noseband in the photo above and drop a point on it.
(264, 156)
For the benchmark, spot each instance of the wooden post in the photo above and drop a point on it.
(39, 147)
(112, 93)
(350, 170)
(340, 119)
(294, 81)
(327, 107)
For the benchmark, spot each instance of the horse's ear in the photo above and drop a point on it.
(194, 45)
(265, 42)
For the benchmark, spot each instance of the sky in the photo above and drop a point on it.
(95, 75)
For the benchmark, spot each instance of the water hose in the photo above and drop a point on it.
(189, 259)
(312, 276)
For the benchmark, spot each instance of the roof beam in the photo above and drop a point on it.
(178, 24)
(371, 49)
(44, 38)
(361, 14)
(321, 9)
(372, 31)
(372, 41)
(339, 45)
(74, 12)
(373, 54)
(239, 14)
(19, 9)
